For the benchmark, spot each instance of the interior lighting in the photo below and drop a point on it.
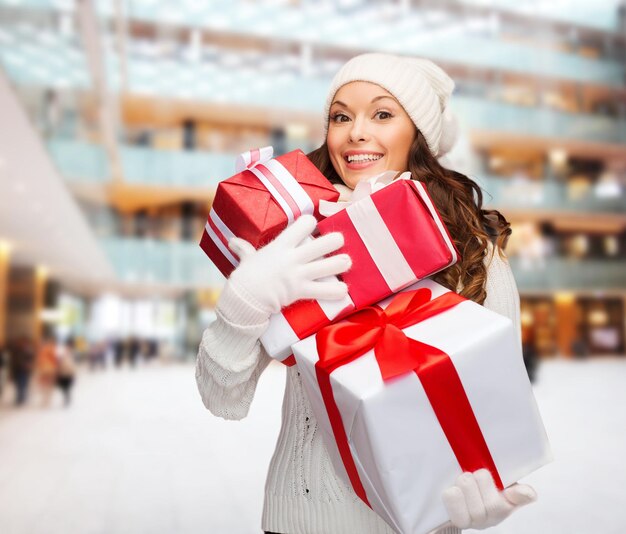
(558, 157)
(51, 315)
(527, 318)
(611, 245)
(564, 297)
(5, 248)
(598, 317)
(42, 272)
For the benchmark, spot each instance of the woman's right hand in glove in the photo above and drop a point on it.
(290, 268)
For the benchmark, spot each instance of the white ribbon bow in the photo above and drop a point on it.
(362, 190)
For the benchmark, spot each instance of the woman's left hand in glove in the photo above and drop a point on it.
(475, 501)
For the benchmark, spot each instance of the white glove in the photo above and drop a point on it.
(475, 501)
(288, 268)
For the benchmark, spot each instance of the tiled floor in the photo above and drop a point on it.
(138, 453)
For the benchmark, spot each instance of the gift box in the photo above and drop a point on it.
(259, 201)
(394, 236)
(412, 392)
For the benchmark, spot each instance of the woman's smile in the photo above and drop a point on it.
(357, 160)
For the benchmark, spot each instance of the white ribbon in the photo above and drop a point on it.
(362, 190)
(225, 232)
(280, 183)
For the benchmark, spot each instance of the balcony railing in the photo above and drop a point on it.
(87, 162)
(547, 195)
(179, 263)
(566, 274)
(183, 264)
(484, 114)
(450, 39)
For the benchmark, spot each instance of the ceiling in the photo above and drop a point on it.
(38, 215)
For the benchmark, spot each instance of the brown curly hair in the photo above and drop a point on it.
(459, 201)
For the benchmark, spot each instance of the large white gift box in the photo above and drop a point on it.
(456, 397)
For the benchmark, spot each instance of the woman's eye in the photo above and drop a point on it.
(384, 114)
(338, 117)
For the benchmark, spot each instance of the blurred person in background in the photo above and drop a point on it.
(133, 351)
(4, 363)
(46, 369)
(66, 370)
(383, 113)
(119, 349)
(96, 355)
(22, 354)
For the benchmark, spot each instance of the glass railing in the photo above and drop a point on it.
(484, 114)
(569, 274)
(176, 167)
(177, 263)
(548, 195)
(87, 163)
(602, 15)
(184, 264)
(43, 56)
(80, 160)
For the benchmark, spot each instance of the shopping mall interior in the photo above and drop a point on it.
(119, 119)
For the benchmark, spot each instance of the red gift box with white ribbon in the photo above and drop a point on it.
(264, 197)
(410, 393)
(394, 237)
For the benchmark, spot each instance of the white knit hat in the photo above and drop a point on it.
(421, 87)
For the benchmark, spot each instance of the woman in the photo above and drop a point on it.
(382, 113)
(67, 370)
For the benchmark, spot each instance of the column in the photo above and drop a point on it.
(5, 256)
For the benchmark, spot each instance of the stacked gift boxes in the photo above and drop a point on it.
(449, 370)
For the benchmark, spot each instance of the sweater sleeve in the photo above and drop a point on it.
(502, 293)
(230, 357)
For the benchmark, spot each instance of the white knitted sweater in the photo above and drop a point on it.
(302, 493)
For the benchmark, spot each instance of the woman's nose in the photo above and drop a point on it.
(358, 132)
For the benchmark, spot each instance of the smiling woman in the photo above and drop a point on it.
(383, 113)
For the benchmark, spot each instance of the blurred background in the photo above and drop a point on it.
(119, 118)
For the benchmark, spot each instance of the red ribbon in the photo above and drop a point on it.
(397, 354)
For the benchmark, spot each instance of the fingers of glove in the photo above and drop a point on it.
(295, 233)
(520, 494)
(314, 249)
(241, 247)
(454, 501)
(331, 266)
(492, 499)
(324, 290)
(473, 499)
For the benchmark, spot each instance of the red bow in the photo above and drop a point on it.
(381, 330)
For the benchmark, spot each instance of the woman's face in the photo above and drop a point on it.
(368, 133)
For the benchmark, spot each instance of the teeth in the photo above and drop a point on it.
(364, 157)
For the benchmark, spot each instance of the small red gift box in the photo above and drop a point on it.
(395, 237)
(259, 201)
